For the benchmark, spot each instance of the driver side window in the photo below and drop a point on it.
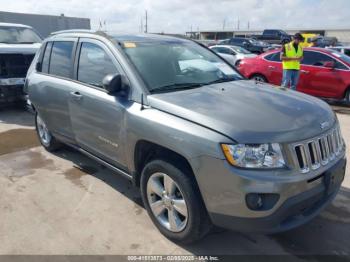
(94, 64)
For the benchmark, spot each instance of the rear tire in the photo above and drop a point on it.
(347, 97)
(47, 140)
(192, 221)
(259, 78)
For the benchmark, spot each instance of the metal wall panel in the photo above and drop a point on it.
(46, 24)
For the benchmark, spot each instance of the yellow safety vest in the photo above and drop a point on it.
(290, 52)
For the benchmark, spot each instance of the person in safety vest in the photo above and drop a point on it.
(291, 56)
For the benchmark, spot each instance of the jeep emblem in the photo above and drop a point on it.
(324, 125)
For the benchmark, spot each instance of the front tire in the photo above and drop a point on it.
(173, 202)
(259, 78)
(47, 140)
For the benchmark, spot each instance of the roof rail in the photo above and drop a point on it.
(73, 31)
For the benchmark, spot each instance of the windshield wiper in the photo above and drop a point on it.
(174, 87)
(25, 42)
(220, 80)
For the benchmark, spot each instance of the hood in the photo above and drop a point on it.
(249, 112)
(19, 48)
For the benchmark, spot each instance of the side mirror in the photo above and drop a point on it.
(113, 83)
(329, 64)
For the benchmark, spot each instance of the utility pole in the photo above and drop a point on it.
(238, 24)
(141, 25)
(248, 25)
(224, 24)
(146, 25)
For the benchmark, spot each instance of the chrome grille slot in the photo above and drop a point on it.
(314, 155)
(311, 154)
(302, 159)
(330, 146)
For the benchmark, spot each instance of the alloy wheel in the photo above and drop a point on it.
(167, 202)
(44, 133)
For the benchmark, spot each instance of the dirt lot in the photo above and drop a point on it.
(65, 203)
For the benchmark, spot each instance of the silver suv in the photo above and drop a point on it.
(206, 146)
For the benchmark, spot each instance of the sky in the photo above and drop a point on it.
(179, 16)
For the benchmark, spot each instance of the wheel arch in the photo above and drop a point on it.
(146, 151)
(258, 74)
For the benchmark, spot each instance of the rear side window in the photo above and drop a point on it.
(46, 58)
(61, 59)
(94, 64)
(274, 57)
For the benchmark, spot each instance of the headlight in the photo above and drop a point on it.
(254, 156)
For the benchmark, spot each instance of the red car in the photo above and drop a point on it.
(324, 73)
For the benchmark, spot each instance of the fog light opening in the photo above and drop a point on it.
(261, 201)
(254, 201)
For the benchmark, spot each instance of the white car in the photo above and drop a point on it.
(342, 49)
(232, 54)
(18, 45)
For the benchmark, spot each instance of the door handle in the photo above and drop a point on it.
(76, 95)
(272, 67)
(304, 72)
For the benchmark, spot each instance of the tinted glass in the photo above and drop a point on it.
(94, 64)
(275, 57)
(241, 50)
(319, 59)
(342, 57)
(46, 58)
(236, 40)
(61, 59)
(223, 50)
(167, 63)
(18, 35)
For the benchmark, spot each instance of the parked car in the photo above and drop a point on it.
(18, 45)
(322, 41)
(273, 36)
(324, 73)
(205, 145)
(232, 54)
(342, 49)
(252, 45)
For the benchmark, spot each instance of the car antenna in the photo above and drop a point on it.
(142, 107)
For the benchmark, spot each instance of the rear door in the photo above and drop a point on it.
(97, 117)
(318, 80)
(273, 68)
(54, 85)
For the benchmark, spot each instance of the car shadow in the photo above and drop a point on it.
(340, 108)
(327, 234)
(16, 116)
(83, 165)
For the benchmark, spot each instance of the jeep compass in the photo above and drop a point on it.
(206, 146)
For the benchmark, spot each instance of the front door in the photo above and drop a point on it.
(317, 79)
(97, 117)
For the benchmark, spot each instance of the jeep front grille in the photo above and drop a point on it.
(317, 152)
(14, 65)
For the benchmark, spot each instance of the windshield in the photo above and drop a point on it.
(18, 35)
(171, 65)
(342, 56)
(241, 50)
